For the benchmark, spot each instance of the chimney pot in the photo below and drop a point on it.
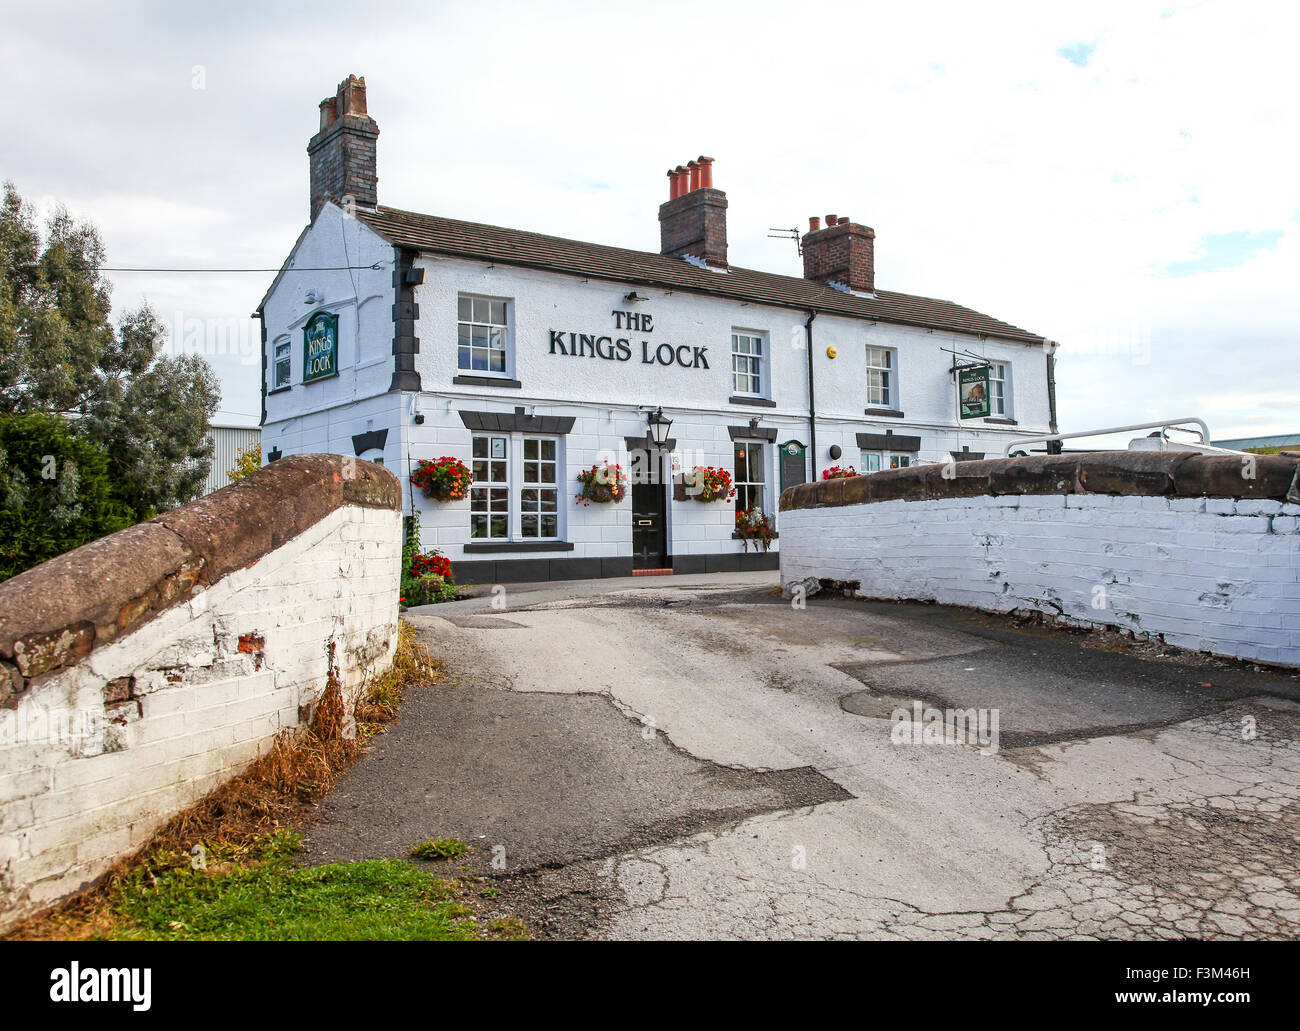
(830, 221)
(693, 221)
(814, 224)
(706, 173)
(329, 112)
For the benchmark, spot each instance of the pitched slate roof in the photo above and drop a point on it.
(450, 236)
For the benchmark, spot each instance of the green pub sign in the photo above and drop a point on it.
(320, 347)
(973, 391)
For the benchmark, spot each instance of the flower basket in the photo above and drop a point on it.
(602, 484)
(443, 479)
(707, 483)
(426, 576)
(755, 525)
(836, 473)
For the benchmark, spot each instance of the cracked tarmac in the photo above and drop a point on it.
(698, 759)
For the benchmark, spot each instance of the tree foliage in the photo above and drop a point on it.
(60, 355)
(247, 463)
(56, 493)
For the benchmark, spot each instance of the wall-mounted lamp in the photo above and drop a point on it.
(634, 296)
(753, 424)
(659, 427)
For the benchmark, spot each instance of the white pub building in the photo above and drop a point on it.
(396, 336)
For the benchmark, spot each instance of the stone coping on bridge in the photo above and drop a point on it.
(1184, 474)
(53, 615)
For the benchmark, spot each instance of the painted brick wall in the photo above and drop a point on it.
(1215, 574)
(101, 749)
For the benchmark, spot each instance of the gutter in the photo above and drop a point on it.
(1050, 346)
(812, 397)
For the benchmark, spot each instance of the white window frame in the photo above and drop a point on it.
(763, 485)
(889, 376)
(481, 498)
(755, 362)
(482, 315)
(515, 484)
(877, 461)
(525, 485)
(287, 358)
(1003, 394)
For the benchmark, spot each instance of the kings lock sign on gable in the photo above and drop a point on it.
(320, 347)
(620, 348)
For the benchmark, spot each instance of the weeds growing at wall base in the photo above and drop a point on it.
(223, 868)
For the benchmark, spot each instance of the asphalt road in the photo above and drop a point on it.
(693, 757)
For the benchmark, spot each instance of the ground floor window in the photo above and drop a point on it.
(515, 493)
(749, 476)
(489, 496)
(539, 503)
(874, 461)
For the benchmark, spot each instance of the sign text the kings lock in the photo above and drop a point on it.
(621, 349)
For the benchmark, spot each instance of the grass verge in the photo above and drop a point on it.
(223, 869)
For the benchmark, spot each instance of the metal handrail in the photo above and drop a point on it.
(1162, 426)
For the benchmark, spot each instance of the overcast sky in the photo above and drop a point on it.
(1119, 177)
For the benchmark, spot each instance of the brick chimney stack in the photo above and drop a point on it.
(342, 153)
(842, 252)
(693, 220)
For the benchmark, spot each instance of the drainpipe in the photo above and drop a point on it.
(1050, 346)
(812, 397)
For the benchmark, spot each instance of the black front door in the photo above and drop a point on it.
(649, 512)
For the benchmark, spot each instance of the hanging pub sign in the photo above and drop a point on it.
(973, 391)
(320, 347)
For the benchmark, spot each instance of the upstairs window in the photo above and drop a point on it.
(747, 364)
(882, 391)
(481, 334)
(282, 360)
(1000, 389)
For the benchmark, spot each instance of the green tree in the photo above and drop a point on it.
(60, 355)
(56, 493)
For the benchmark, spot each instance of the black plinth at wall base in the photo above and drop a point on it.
(729, 562)
(532, 570)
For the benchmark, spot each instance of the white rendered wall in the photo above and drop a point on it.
(1214, 575)
(84, 783)
(544, 301)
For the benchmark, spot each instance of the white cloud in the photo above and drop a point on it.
(996, 172)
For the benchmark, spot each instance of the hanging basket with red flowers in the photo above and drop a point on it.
(836, 473)
(755, 525)
(602, 484)
(443, 479)
(708, 483)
